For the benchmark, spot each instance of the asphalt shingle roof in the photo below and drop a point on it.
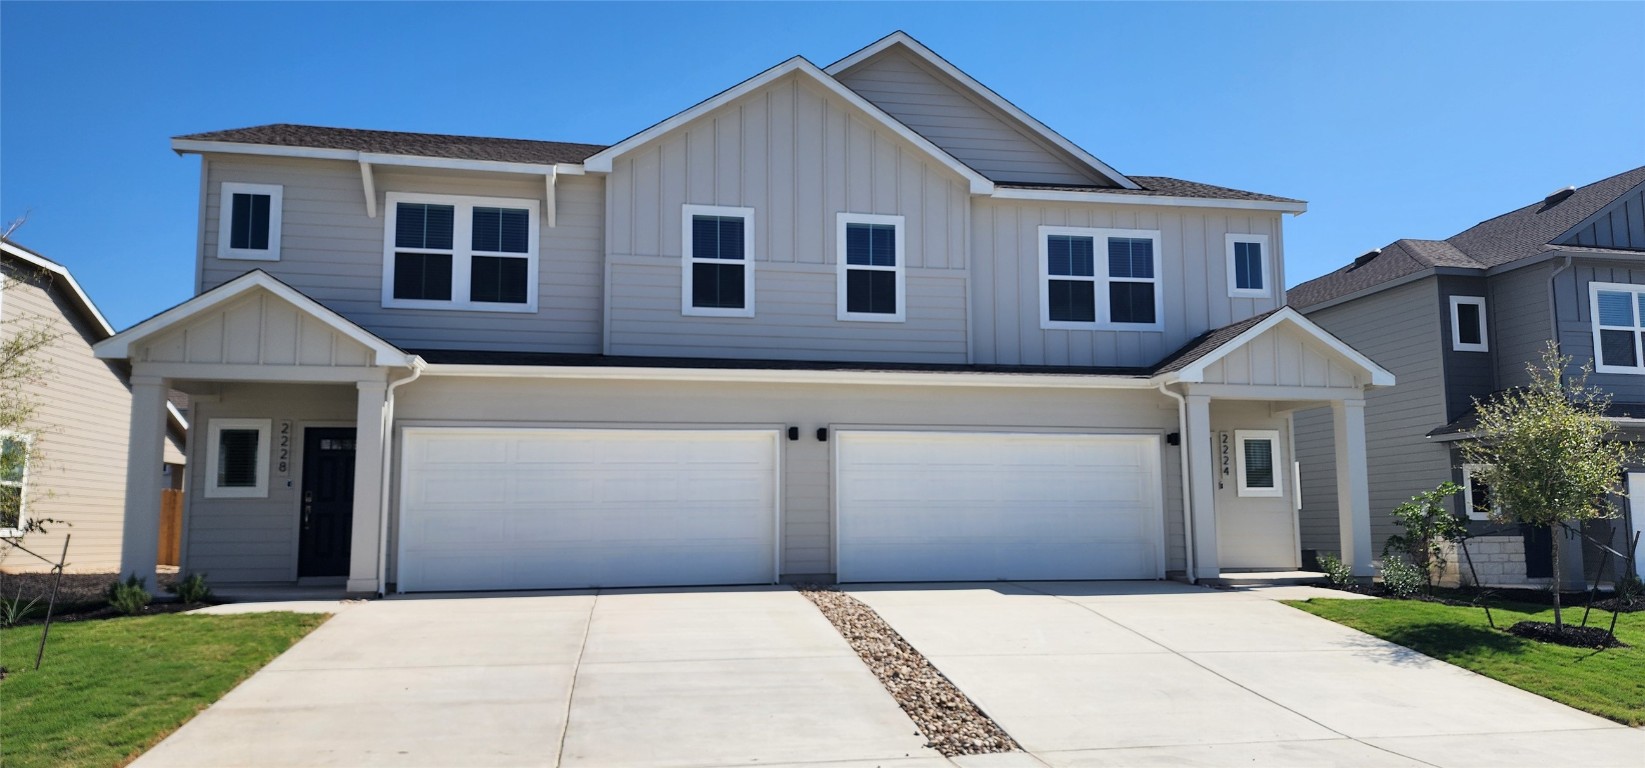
(1160, 186)
(401, 143)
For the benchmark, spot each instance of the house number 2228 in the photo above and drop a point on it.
(282, 449)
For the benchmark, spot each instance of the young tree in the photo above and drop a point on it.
(23, 366)
(1547, 452)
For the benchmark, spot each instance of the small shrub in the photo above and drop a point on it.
(15, 611)
(1629, 588)
(1429, 526)
(129, 597)
(1401, 578)
(191, 590)
(1336, 571)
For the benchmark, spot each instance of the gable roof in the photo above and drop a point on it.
(400, 143)
(903, 40)
(1161, 186)
(1514, 236)
(1188, 364)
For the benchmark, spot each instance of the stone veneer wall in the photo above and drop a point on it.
(1498, 560)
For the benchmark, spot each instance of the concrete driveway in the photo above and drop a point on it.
(1163, 674)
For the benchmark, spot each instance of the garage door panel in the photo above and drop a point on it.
(961, 506)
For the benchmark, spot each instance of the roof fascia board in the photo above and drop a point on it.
(601, 162)
(186, 146)
(1067, 196)
(889, 378)
(999, 102)
(118, 347)
(1363, 292)
(83, 301)
(1593, 217)
(1194, 372)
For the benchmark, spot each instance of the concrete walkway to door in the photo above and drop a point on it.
(1163, 674)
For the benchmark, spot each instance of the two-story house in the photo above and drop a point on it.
(1459, 319)
(868, 322)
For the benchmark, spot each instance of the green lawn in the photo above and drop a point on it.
(110, 689)
(1609, 683)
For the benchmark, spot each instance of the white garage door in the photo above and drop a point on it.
(952, 506)
(556, 508)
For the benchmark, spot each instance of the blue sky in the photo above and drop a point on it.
(1392, 120)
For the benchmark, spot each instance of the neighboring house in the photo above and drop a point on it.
(77, 471)
(1459, 319)
(870, 322)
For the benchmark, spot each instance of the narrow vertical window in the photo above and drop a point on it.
(1131, 280)
(1476, 493)
(718, 277)
(14, 466)
(1071, 278)
(423, 251)
(1257, 458)
(249, 221)
(1468, 324)
(1249, 273)
(871, 271)
(237, 458)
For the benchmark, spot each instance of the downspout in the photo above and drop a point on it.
(1182, 463)
(1553, 301)
(417, 366)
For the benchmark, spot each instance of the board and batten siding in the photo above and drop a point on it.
(260, 329)
(1399, 329)
(1576, 330)
(332, 252)
(968, 128)
(1620, 225)
(798, 156)
(1193, 266)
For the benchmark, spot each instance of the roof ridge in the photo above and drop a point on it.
(1542, 201)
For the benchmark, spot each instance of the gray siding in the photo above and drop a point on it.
(1620, 225)
(1521, 329)
(1193, 268)
(1400, 330)
(967, 127)
(333, 252)
(1576, 330)
(1468, 374)
(798, 156)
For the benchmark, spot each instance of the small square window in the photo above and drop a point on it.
(237, 458)
(1249, 273)
(1468, 324)
(249, 221)
(869, 258)
(1257, 460)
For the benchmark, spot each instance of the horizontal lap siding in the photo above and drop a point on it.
(1400, 329)
(1193, 268)
(1521, 327)
(333, 252)
(798, 156)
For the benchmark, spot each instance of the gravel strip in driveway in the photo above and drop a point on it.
(952, 723)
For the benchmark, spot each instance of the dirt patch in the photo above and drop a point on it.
(1579, 637)
(81, 597)
(951, 723)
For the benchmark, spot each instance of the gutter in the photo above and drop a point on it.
(1182, 448)
(773, 376)
(417, 368)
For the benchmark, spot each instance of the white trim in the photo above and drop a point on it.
(777, 376)
(688, 212)
(844, 220)
(1271, 436)
(22, 485)
(118, 346)
(601, 162)
(462, 251)
(1070, 196)
(41, 262)
(225, 220)
(1100, 279)
(185, 146)
(1638, 327)
(214, 436)
(1267, 289)
(1457, 344)
(987, 94)
(1194, 372)
(1468, 471)
(368, 182)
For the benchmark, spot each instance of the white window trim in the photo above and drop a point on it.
(1484, 344)
(1468, 471)
(1593, 312)
(462, 251)
(1272, 436)
(23, 485)
(1234, 291)
(213, 455)
(842, 221)
(1100, 278)
(225, 221)
(689, 210)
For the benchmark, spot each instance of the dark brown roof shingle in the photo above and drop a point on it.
(1159, 186)
(401, 143)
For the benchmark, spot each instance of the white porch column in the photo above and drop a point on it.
(368, 486)
(1202, 503)
(1353, 489)
(145, 460)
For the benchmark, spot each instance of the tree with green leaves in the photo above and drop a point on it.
(1547, 452)
(1429, 527)
(23, 367)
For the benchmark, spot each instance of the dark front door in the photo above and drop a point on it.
(328, 502)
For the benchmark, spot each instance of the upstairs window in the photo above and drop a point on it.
(1617, 310)
(237, 458)
(248, 221)
(718, 263)
(1248, 271)
(1099, 279)
(14, 471)
(475, 253)
(870, 261)
(1258, 462)
(1468, 324)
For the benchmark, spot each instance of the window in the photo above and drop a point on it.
(1099, 279)
(1248, 272)
(237, 459)
(718, 263)
(869, 255)
(1476, 495)
(1257, 460)
(248, 221)
(14, 473)
(1618, 311)
(1468, 324)
(473, 253)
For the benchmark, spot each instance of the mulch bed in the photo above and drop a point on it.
(952, 724)
(1579, 637)
(82, 596)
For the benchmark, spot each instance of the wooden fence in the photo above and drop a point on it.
(171, 527)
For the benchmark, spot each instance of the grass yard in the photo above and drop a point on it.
(1609, 683)
(110, 689)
